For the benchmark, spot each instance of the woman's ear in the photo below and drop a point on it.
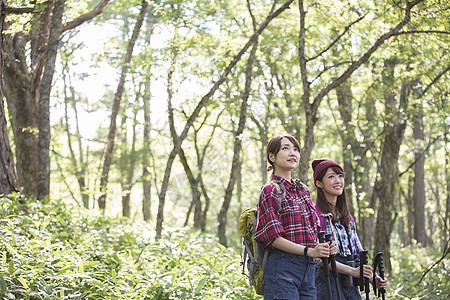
(271, 157)
(318, 184)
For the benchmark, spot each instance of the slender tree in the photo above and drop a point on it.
(8, 177)
(394, 128)
(116, 106)
(146, 153)
(419, 181)
(43, 187)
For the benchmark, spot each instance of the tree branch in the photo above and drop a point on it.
(422, 31)
(422, 153)
(444, 254)
(18, 10)
(85, 17)
(435, 80)
(365, 57)
(337, 39)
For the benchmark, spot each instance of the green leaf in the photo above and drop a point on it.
(200, 286)
(3, 287)
(114, 275)
(11, 268)
(23, 282)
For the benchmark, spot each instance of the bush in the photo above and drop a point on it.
(52, 251)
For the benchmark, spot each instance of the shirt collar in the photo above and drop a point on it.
(283, 181)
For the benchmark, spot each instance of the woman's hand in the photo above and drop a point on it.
(321, 250)
(333, 248)
(381, 283)
(367, 272)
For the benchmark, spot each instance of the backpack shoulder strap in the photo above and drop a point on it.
(351, 219)
(301, 185)
(323, 223)
(281, 189)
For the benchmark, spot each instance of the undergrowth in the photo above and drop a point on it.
(52, 251)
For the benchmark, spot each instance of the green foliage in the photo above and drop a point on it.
(52, 251)
(409, 265)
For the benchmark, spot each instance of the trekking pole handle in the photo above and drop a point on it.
(363, 260)
(324, 259)
(332, 258)
(380, 264)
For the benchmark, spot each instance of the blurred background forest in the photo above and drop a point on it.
(158, 112)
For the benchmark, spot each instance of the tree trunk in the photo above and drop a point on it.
(262, 139)
(447, 176)
(419, 183)
(22, 82)
(79, 166)
(356, 172)
(236, 161)
(195, 191)
(129, 166)
(410, 208)
(116, 106)
(8, 177)
(146, 176)
(345, 98)
(43, 187)
(394, 127)
(21, 89)
(207, 202)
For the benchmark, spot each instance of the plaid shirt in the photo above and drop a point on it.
(339, 235)
(296, 220)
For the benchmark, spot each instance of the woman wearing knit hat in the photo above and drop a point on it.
(331, 207)
(288, 225)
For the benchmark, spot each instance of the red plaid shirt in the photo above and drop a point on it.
(296, 220)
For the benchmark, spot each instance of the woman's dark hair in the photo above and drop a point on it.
(341, 203)
(274, 145)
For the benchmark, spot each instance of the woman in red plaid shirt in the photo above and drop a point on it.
(289, 226)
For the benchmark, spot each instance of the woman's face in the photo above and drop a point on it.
(287, 157)
(332, 183)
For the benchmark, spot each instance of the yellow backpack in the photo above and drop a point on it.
(253, 252)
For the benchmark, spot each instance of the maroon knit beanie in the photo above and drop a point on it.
(319, 165)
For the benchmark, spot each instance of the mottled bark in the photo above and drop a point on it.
(43, 187)
(419, 181)
(8, 177)
(146, 176)
(21, 89)
(394, 128)
(25, 57)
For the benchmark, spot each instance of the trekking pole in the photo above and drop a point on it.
(363, 282)
(378, 261)
(333, 268)
(325, 265)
